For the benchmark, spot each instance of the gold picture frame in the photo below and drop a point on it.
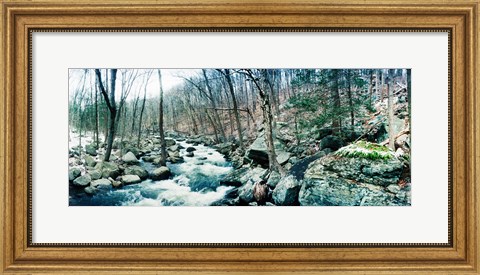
(20, 18)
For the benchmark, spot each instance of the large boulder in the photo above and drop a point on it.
(286, 191)
(82, 180)
(130, 158)
(136, 170)
(224, 148)
(160, 173)
(109, 169)
(334, 191)
(259, 153)
(91, 149)
(130, 179)
(190, 149)
(74, 173)
(381, 172)
(101, 183)
(245, 193)
(170, 142)
(332, 142)
(89, 161)
(241, 176)
(95, 174)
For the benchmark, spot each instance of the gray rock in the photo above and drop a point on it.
(100, 183)
(245, 193)
(109, 169)
(286, 191)
(160, 173)
(394, 188)
(74, 173)
(130, 158)
(241, 176)
(149, 158)
(95, 174)
(224, 148)
(283, 157)
(89, 161)
(190, 149)
(136, 170)
(273, 180)
(90, 190)
(377, 172)
(91, 149)
(170, 142)
(82, 180)
(259, 153)
(189, 154)
(130, 179)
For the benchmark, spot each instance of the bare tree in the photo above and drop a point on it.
(163, 149)
(110, 102)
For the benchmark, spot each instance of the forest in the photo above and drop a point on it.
(239, 137)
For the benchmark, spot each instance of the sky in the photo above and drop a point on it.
(170, 79)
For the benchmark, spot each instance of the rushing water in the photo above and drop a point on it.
(195, 182)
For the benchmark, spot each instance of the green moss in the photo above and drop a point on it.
(367, 150)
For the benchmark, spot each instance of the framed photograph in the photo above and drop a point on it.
(170, 137)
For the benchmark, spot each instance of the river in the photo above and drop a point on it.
(195, 182)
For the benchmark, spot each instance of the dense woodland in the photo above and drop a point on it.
(273, 125)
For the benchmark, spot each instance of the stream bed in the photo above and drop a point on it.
(194, 182)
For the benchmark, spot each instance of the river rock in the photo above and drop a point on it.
(282, 157)
(136, 170)
(130, 158)
(90, 190)
(286, 191)
(224, 148)
(89, 161)
(273, 179)
(189, 154)
(170, 142)
(332, 142)
(95, 174)
(149, 158)
(190, 149)
(241, 176)
(130, 179)
(174, 148)
(100, 183)
(160, 173)
(74, 173)
(245, 193)
(109, 169)
(378, 172)
(91, 149)
(82, 180)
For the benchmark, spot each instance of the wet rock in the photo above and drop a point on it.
(241, 176)
(130, 179)
(189, 154)
(90, 190)
(273, 179)
(160, 173)
(74, 173)
(130, 158)
(170, 142)
(136, 170)
(100, 183)
(109, 169)
(149, 158)
(224, 148)
(82, 180)
(190, 149)
(286, 191)
(245, 193)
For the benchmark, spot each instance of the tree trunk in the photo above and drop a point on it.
(96, 113)
(214, 105)
(350, 99)
(111, 107)
(337, 122)
(163, 159)
(235, 108)
(391, 134)
(141, 116)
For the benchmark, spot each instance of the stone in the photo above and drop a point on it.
(136, 170)
(130, 179)
(100, 183)
(241, 176)
(259, 153)
(82, 180)
(95, 174)
(394, 188)
(90, 190)
(160, 173)
(91, 149)
(74, 173)
(286, 191)
(378, 172)
(224, 148)
(109, 169)
(190, 149)
(130, 158)
(273, 179)
(245, 193)
(189, 154)
(170, 142)
(283, 157)
(89, 161)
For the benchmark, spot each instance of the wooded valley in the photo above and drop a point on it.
(232, 137)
